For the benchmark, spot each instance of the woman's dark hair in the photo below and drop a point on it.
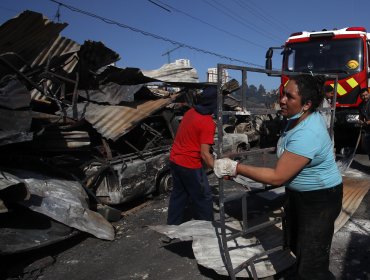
(310, 88)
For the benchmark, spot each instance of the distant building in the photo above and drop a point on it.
(212, 75)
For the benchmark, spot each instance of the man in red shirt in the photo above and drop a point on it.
(190, 150)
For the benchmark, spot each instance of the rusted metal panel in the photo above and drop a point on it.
(15, 125)
(11, 190)
(61, 48)
(15, 120)
(62, 200)
(14, 95)
(28, 35)
(112, 122)
(31, 40)
(113, 93)
(10, 137)
(96, 55)
(354, 190)
(174, 73)
(56, 140)
(124, 76)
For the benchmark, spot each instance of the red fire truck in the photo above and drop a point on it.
(343, 52)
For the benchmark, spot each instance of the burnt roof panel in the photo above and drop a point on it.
(28, 35)
(112, 122)
(113, 93)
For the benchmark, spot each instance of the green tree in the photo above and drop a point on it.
(252, 91)
(261, 90)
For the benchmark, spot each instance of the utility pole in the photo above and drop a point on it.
(170, 51)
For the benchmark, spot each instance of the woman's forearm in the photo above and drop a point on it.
(260, 174)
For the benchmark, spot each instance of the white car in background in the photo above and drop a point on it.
(233, 142)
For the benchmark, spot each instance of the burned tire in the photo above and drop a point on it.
(165, 183)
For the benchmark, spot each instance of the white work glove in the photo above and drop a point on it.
(225, 167)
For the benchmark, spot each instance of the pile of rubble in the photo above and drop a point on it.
(78, 134)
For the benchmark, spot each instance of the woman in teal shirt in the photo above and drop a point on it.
(306, 167)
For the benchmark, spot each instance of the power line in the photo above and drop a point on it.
(159, 6)
(7, 9)
(211, 25)
(226, 11)
(261, 14)
(278, 21)
(145, 33)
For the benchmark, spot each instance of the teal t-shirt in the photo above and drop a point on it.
(311, 139)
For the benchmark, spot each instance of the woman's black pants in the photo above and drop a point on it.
(309, 229)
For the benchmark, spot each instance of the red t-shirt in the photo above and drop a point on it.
(195, 129)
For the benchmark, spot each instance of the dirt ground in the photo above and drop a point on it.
(139, 253)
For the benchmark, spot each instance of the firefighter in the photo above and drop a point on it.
(364, 111)
(306, 167)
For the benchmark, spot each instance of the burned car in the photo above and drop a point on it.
(125, 178)
(233, 141)
(146, 171)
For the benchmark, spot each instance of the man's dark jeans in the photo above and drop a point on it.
(190, 186)
(366, 140)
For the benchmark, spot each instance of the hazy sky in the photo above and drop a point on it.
(212, 31)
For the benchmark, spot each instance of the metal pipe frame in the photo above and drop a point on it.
(224, 249)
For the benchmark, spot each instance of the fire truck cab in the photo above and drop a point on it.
(343, 52)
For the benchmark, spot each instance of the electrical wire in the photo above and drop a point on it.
(7, 9)
(155, 36)
(237, 18)
(209, 24)
(261, 14)
(164, 8)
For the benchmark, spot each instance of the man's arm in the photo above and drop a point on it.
(363, 120)
(361, 116)
(206, 156)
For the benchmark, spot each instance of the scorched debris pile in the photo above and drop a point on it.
(75, 132)
(78, 134)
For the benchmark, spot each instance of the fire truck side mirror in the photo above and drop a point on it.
(268, 65)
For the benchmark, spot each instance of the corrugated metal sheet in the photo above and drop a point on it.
(28, 35)
(114, 121)
(174, 73)
(35, 39)
(11, 137)
(15, 120)
(14, 95)
(61, 46)
(113, 93)
(124, 76)
(354, 190)
(62, 200)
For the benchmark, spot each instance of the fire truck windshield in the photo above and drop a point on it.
(342, 56)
